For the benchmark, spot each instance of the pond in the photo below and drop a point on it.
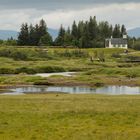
(67, 74)
(108, 90)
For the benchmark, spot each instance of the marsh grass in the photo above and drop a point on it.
(46, 60)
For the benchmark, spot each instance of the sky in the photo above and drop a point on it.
(56, 12)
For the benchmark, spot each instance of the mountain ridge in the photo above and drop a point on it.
(135, 32)
(5, 34)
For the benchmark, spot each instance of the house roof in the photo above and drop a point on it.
(118, 41)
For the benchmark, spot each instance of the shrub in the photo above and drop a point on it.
(43, 82)
(136, 46)
(48, 69)
(74, 53)
(6, 71)
(18, 55)
(116, 55)
(25, 70)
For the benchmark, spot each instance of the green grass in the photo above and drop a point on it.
(69, 117)
(38, 60)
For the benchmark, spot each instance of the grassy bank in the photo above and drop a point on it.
(69, 117)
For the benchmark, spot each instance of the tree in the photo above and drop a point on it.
(85, 41)
(123, 30)
(23, 38)
(74, 31)
(116, 31)
(60, 39)
(105, 30)
(68, 38)
(46, 40)
(31, 35)
(80, 29)
(93, 28)
(42, 28)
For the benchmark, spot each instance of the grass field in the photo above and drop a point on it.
(69, 117)
(65, 116)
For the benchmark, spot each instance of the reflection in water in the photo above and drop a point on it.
(111, 90)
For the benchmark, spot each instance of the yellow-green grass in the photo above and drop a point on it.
(69, 117)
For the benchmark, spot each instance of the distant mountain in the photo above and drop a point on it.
(53, 32)
(5, 34)
(134, 32)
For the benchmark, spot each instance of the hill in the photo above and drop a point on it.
(5, 34)
(134, 32)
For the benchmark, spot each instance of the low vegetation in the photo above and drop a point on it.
(94, 66)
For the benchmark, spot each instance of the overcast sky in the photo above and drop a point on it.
(56, 12)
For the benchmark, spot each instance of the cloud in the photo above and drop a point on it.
(57, 4)
(114, 13)
(56, 12)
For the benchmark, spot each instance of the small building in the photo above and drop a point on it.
(117, 42)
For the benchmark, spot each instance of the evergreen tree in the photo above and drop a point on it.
(74, 34)
(60, 39)
(123, 30)
(32, 35)
(80, 29)
(74, 31)
(67, 37)
(42, 28)
(93, 28)
(85, 41)
(105, 30)
(46, 40)
(116, 31)
(23, 38)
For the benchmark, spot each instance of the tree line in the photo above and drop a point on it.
(84, 34)
(34, 35)
(88, 34)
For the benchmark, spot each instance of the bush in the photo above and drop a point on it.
(136, 46)
(43, 82)
(116, 55)
(18, 55)
(25, 70)
(6, 71)
(131, 75)
(49, 69)
(77, 53)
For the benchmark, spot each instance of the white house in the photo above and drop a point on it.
(117, 42)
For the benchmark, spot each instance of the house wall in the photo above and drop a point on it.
(117, 46)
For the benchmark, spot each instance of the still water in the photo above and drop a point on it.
(109, 90)
(66, 74)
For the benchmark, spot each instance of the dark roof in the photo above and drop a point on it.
(120, 41)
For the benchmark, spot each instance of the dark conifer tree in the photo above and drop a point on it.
(117, 31)
(60, 39)
(23, 38)
(67, 37)
(74, 31)
(123, 30)
(32, 35)
(42, 28)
